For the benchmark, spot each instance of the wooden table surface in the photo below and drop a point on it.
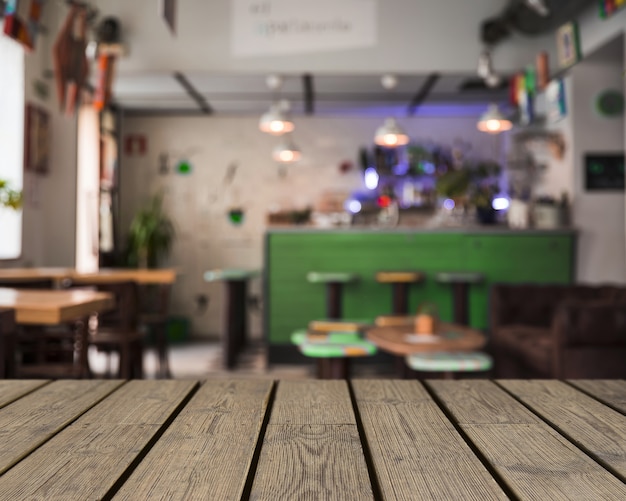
(291, 440)
(393, 338)
(104, 275)
(53, 307)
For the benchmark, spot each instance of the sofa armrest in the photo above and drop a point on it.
(523, 304)
(585, 323)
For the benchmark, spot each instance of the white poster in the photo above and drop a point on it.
(266, 27)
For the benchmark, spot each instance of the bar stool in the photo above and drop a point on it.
(460, 281)
(400, 282)
(334, 289)
(450, 363)
(235, 318)
(332, 350)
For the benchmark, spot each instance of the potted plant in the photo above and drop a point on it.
(151, 235)
(9, 197)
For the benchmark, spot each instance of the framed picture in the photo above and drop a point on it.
(37, 139)
(568, 44)
(604, 171)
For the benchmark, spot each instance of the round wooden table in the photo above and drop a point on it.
(396, 335)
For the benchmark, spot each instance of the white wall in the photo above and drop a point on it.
(600, 215)
(413, 36)
(49, 210)
(199, 202)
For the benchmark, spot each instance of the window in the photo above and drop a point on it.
(11, 140)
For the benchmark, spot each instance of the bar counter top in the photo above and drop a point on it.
(473, 230)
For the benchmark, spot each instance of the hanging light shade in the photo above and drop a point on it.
(493, 121)
(286, 152)
(276, 121)
(390, 134)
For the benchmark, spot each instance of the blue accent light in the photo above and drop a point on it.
(353, 206)
(500, 203)
(448, 204)
(371, 178)
(428, 168)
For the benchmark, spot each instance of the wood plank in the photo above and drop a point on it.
(206, 453)
(594, 426)
(534, 460)
(32, 420)
(609, 391)
(11, 390)
(416, 451)
(312, 448)
(86, 459)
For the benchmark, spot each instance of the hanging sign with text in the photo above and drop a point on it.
(266, 27)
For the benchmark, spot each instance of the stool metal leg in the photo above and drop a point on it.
(400, 294)
(461, 313)
(333, 300)
(229, 341)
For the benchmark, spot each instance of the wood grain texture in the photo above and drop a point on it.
(312, 448)
(535, 461)
(86, 459)
(207, 451)
(32, 420)
(310, 402)
(104, 275)
(11, 390)
(587, 422)
(610, 391)
(416, 451)
(52, 307)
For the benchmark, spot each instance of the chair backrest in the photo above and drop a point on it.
(125, 315)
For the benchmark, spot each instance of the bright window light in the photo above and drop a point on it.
(11, 141)
(371, 178)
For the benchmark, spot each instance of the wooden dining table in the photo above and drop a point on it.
(48, 308)
(161, 278)
(306, 439)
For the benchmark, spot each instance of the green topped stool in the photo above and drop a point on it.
(450, 362)
(332, 350)
(400, 281)
(235, 318)
(460, 281)
(334, 288)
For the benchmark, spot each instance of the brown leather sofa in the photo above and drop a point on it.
(558, 331)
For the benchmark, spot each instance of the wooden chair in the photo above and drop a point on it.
(118, 330)
(58, 352)
(153, 315)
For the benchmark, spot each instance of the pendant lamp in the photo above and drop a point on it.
(276, 121)
(286, 152)
(493, 121)
(390, 134)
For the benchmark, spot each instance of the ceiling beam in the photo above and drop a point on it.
(309, 94)
(202, 103)
(421, 95)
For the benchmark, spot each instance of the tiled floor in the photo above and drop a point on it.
(203, 359)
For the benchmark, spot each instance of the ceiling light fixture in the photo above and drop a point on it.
(286, 152)
(390, 134)
(493, 121)
(276, 121)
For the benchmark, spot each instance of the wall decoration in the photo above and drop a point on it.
(609, 7)
(556, 107)
(610, 103)
(604, 171)
(36, 139)
(299, 26)
(568, 44)
(21, 21)
(184, 167)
